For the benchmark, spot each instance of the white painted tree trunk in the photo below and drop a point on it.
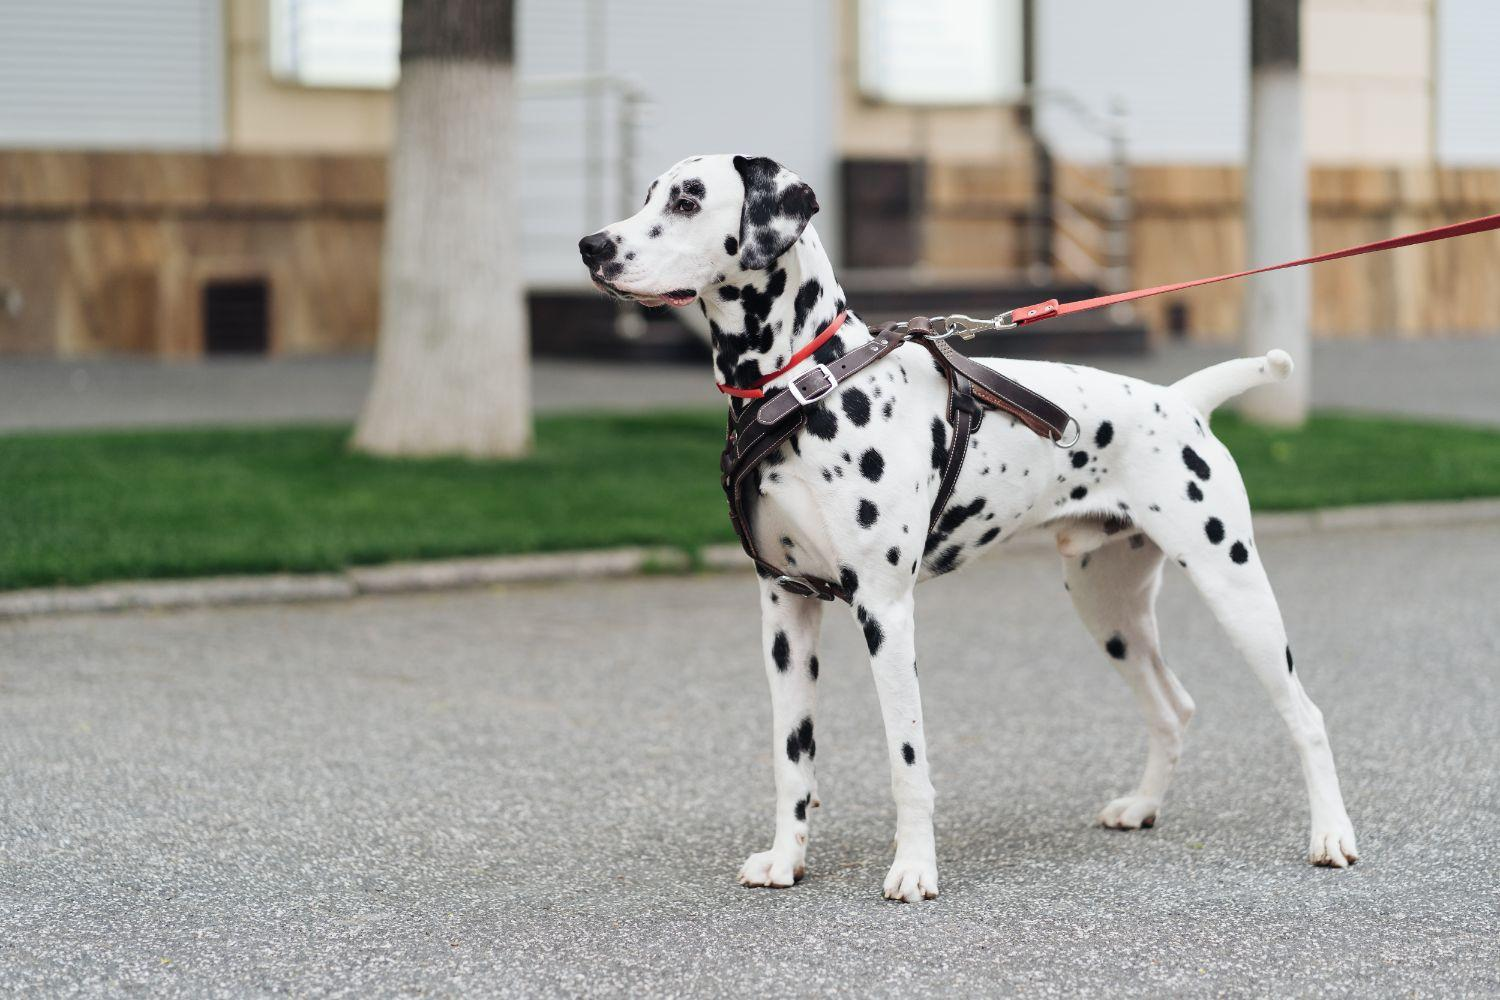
(452, 372)
(1276, 304)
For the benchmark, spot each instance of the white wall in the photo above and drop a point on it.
(1468, 82)
(720, 77)
(1180, 69)
(104, 73)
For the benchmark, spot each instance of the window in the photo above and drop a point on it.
(940, 51)
(336, 43)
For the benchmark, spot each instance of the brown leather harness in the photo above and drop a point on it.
(770, 421)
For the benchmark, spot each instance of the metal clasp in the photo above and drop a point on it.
(967, 327)
(805, 400)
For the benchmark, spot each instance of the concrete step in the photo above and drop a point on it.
(582, 323)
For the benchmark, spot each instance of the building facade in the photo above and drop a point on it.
(180, 177)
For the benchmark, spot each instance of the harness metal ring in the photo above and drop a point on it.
(1077, 433)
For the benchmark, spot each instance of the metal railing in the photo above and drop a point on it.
(580, 143)
(1081, 215)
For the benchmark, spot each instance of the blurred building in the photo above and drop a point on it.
(180, 177)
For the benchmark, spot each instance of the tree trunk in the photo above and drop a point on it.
(452, 363)
(1276, 305)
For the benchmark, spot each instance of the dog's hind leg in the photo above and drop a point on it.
(789, 634)
(1209, 535)
(1114, 591)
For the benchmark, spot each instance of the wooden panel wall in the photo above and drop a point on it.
(110, 251)
(1188, 223)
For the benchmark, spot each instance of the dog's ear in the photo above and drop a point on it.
(777, 206)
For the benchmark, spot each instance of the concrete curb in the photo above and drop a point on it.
(458, 574)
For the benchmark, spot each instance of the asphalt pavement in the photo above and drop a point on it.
(546, 790)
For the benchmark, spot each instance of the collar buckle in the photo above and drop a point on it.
(805, 399)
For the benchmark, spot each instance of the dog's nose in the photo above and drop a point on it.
(596, 249)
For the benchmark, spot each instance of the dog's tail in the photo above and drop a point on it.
(1208, 389)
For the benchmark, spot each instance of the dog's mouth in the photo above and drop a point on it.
(677, 297)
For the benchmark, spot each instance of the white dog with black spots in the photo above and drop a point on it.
(848, 498)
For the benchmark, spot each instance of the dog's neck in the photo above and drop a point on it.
(759, 319)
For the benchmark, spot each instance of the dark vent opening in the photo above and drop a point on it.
(236, 317)
(1177, 320)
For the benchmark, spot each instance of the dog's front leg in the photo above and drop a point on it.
(890, 635)
(789, 635)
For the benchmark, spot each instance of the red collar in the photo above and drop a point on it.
(756, 390)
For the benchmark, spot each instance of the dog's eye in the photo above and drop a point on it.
(684, 206)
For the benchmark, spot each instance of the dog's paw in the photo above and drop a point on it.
(1130, 812)
(1332, 845)
(774, 869)
(912, 881)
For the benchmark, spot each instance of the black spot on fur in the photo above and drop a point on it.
(731, 245)
(908, 754)
(989, 536)
(831, 350)
(958, 514)
(807, 297)
(1104, 435)
(946, 560)
(793, 748)
(1214, 529)
(693, 186)
(1239, 553)
(780, 651)
(1080, 459)
(812, 666)
(1079, 492)
(1193, 492)
(1197, 465)
(885, 410)
(849, 580)
(801, 811)
(893, 555)
(868, 512)
(1289, 659)
(872, 465)
(805, 737)
(729, 292)
(939, 442)
(873, 634)
(822, 423)
(856, 406)
(1115, 646)
(655, 232)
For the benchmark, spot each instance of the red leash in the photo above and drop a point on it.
(1051, 308)
(756, 390)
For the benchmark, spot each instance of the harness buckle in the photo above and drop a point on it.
(806, 400)
(801, 588)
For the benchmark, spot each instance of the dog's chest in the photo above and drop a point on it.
(855, 486)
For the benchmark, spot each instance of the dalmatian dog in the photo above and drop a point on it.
(848, 498)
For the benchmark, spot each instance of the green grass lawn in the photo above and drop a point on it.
(80, 508)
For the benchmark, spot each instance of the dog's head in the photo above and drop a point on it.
(707, 219)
